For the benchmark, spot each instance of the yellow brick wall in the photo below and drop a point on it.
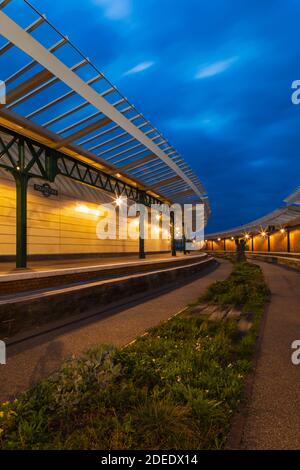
(59, 224)
(278, 242)
(260, 243)
(230, 245)
(295, 240)
(219, 245)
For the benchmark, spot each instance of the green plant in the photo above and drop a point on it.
(176, 387)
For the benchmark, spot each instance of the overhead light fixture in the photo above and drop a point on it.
(263, 233)
(118, 201)
(282, 230)
(247, 236)
(219, 239)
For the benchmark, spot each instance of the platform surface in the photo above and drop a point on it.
(8, 268)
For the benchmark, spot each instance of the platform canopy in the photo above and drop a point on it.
(54, 91)
(294, 198)
(282, 217)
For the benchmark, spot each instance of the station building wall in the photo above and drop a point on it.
(64, 224)
(260, 243)
(278, 242)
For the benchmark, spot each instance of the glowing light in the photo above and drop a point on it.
(247, 236)
(219, 239)
(87, 210)
(118, 201)
(282, 230)
(232, 238)
(263, 233)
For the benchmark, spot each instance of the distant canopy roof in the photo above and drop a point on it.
(279, 218)
(55, 89)
(294, 198)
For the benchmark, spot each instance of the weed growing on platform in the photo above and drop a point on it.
(177, 387)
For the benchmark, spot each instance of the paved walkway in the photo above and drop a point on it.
(273, 417)
(34, 359)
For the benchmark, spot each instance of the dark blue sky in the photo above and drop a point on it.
(215, 77)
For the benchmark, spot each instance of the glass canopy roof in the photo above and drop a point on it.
(55, 90)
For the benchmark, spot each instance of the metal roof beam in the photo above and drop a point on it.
(31, 64)
(60, 99)
(139, 162)
(158, 176)
(35, 85)
(157, 165)
(123, 152)
(81, 121)
(120, 145)
(97, 136)
(86, 130)
(130, 156)
(109, 141)
(181, 194)
(4, 3)
(175, 187)
(101, 134)
(14, 33)
(28, 85)
(165, 182)
(29, 29)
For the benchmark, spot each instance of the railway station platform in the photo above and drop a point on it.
(46, 293)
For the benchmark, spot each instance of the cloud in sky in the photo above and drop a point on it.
(215, 68)
(141, 67)
(115, 9)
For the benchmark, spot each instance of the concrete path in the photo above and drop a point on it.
(34, 359)
(273, 415)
